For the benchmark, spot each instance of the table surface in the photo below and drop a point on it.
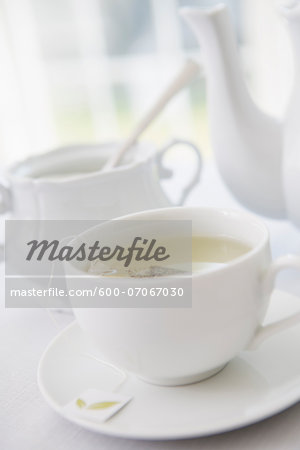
(27, 422)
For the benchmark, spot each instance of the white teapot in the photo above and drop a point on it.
(257, 155)
(291, 130)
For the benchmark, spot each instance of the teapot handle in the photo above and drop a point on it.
(167, 173)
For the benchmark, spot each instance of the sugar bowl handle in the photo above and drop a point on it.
(167, 173)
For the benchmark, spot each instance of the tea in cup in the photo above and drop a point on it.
(231, 281)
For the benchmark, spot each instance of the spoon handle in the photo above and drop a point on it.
(186, 74)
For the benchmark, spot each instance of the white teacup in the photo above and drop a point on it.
(67, 183)
(173, 346)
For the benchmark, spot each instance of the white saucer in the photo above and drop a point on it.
(252, 387)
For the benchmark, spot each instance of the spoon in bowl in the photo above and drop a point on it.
(186, 74)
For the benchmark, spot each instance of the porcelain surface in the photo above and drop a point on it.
(224, 310)
(79, 190)
(250, 388)
(247, 143)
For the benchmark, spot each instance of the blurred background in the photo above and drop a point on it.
(86, 70)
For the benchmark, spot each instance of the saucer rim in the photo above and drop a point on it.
(225, 425)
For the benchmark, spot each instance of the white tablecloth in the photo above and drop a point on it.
(28, 423)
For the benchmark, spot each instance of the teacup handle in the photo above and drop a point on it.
(5, 206)
(166, 173)
(266, 331)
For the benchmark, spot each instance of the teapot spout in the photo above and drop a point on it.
(247, 143)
